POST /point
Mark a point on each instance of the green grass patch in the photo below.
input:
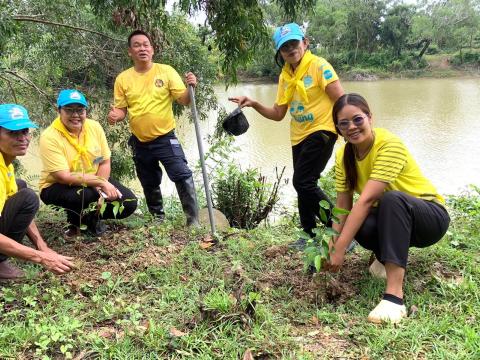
(149, 291)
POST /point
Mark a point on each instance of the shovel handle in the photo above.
(193, 106)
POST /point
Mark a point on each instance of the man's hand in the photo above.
(55, 262)
(191, 79)
(115, 115)
(109, 190)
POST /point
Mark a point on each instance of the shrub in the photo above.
(245, 197)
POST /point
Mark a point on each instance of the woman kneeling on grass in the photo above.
(76, 168)
(397, 208)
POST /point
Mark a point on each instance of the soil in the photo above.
(317, 288)
(117, 252)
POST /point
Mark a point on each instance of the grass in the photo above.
(145, 291)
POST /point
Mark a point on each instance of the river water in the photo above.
(436, 118)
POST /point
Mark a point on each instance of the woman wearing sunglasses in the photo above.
(76, 168)
(398, 207)
(308, 86)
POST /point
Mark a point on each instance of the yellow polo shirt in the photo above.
(57, 153)
(388, 161)
(8, 186)
(148, 98)
(317, 114)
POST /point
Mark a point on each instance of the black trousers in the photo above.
(18, 213)
(309, 159)
(75, 199)
(165, 149)
(399, 222)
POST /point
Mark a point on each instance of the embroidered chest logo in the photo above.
(159, 83)
(308, 81)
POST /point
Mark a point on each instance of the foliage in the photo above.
(317, 249)
(466, 58)
(245, 197)
(379, 35)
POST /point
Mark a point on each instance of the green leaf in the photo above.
(106, 275)
(339, 211)
(324, 204)
(116, 205)
(102, 208)
(323, 215)
(318, 263)
(330, 231)
(83, 227)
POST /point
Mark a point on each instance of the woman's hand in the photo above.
(242, 101)
(337, 257)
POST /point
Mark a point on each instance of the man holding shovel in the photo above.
(147, 91)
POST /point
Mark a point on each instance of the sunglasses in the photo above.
(71, 111)
(345, 124)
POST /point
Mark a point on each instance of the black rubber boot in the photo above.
(188, 198)
(154, 199)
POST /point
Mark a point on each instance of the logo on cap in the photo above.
(75, 95)
(16, 113)
(285, 30)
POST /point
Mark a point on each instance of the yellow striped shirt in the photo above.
(388, 161)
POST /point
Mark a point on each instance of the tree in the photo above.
(396, 28)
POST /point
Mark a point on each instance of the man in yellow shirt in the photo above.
(18, 205)
(76, 168)
(147, 91)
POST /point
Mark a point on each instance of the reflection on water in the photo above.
(436, 118)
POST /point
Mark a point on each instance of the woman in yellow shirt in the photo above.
(76, 167)
(398, 207)
(307, 88)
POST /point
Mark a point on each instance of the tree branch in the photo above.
(31, 83)
(9, 84)
(46, 22)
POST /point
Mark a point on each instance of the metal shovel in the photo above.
(202, 158)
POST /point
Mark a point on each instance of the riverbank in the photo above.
(159, 291)
(439, 67)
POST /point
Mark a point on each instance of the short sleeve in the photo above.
(280, 89)
(175, 83)
(52, 155)
(119, 98)
(102, 139)
(340, 177)
(326, 73)
(389, 162)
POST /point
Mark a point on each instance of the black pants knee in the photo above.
(165, 149)
(17, 214)
(76, 199)
(309, 159)
(399, 222)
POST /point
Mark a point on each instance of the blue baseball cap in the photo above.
(71, 96)
(15, 117)
(287, 32)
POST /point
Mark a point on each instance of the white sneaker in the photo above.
(387, 311)
(377, 269)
